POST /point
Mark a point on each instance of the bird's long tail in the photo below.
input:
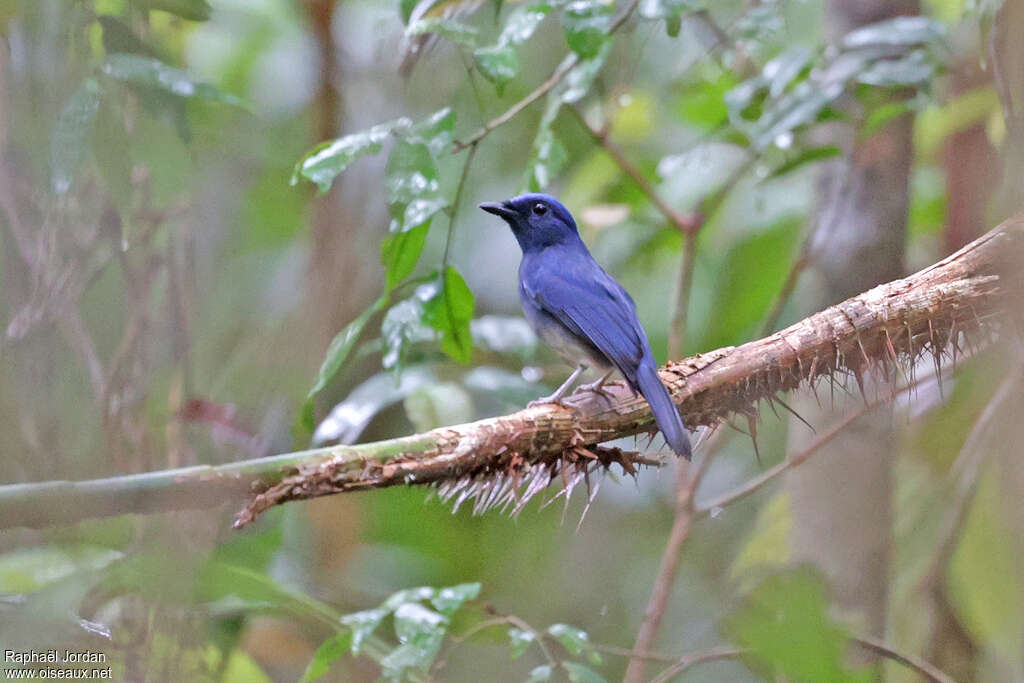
(665, 412)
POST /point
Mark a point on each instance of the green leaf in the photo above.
(703, 104)
(347, 420)
(548, 158)
(578, 673)
(449, 312)
(403, 324)
(498, 64)
(71, 134)
(520, 641)
(363, 624)
(785, 626)
(915, 68)
(420, 631)
(411, 174)
(400, 252)
(540, 674)
(32, 569)
(899, 31)
(338, 351)
(449, 600)
(331, 650)
(575, 640)
(577, 83)
(326, 161)
(449, 29)
(586, 24)
(522, 22)
(436, 131)
(152, 73)
(194, 10)
(669, 10)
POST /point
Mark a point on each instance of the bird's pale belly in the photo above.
(565, 343)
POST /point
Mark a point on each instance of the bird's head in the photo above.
(537, 220)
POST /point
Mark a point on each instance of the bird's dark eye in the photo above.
(540, 209)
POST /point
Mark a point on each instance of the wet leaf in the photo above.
(437, 405)
(916, 68)
(411, 175)
(32, 569)
(449, 312)
(420, 631)
(331, 650)
(338, 351)
(498, 64)
(586, 25)
(71, 134)
(326, 161)
(404, 324)
(540, 673)
(363, 624)
(449, 29)
(522, 22)
(347, 420)
(436, 131)
(449, 600)
(576, 641)
(669, 10)
(152, 73)
(520, 641)
(896, 32)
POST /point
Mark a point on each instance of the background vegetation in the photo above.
(197, 197)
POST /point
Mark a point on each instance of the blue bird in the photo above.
(581, 311)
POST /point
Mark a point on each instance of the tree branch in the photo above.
(971, 293)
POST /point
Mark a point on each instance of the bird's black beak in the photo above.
(499, 209)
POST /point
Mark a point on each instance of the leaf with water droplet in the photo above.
(71, 134)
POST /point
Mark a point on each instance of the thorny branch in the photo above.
(503, 461)
(969, 297)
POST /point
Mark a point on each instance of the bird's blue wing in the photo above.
(590, 304)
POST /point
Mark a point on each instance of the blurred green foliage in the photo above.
(147, 151)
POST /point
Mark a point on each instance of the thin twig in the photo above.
(453, 211)
(560, 72)
(929, 671)
(686, 488)
(713, 655)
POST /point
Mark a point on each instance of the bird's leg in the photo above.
(598, 386)
(560, 391)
